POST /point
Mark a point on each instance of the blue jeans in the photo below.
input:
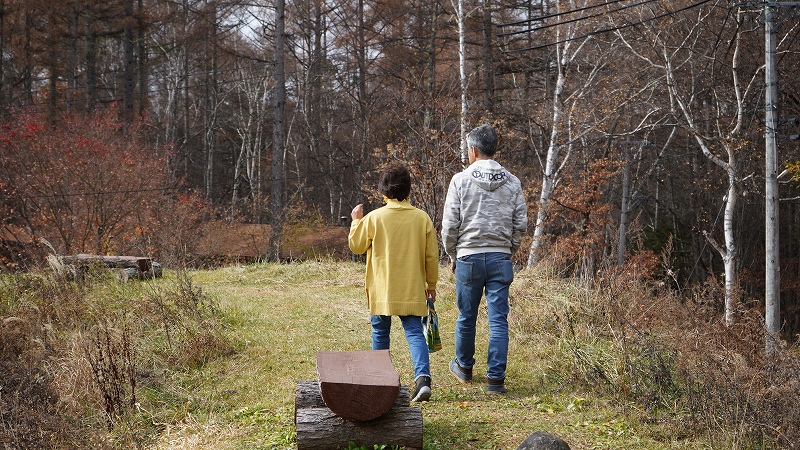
(492, 273)
(417, 345)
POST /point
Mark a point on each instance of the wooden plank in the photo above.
(358, 385)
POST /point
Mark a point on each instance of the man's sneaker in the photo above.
(497, 386)
(422, 393)
(463, 375)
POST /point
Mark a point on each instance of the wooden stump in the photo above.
(358, 385)
(319, 428)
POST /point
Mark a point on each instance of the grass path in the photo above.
(280, 316)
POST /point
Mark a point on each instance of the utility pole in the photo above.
(772, 294)
(772, 283)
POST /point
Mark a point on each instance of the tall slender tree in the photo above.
(279, 92)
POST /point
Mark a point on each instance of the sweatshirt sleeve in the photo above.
(519, 221)
(431, 257)
(451, 220)
(359, 239)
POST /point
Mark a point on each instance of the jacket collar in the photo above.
(394, 203)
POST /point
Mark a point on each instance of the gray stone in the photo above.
(539, 440)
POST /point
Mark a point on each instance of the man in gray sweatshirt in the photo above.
(485, 215)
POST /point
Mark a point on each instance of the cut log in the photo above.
(319, 428)
(130, 267)
(118, 262)
(358, 385)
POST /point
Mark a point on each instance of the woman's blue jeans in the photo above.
(417, 345)
(492, 273)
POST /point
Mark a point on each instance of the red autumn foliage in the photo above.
(89, 184)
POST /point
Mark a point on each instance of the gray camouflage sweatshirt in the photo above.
(485, 211)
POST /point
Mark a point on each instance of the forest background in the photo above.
(637, 128)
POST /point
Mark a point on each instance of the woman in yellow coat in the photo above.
(402, 268)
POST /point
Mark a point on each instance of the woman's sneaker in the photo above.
(422, 392)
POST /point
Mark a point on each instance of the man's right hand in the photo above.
(453, 266)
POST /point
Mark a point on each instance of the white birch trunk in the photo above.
(462, 48)
(549, 177)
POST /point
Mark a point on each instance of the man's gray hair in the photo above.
(484, 139)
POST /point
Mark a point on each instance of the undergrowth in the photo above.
(669, 360)
(97, 354)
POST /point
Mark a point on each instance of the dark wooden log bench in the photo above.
(358, 398)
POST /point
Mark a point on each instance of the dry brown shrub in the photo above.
(730, 383)
(681, 359)
(71, 356)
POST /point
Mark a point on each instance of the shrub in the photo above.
(90, 184)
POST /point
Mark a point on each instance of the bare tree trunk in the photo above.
(91, 62)
(488, 60)
(27, 70)
(2, 51)
(430, 83)
(128, 82)
(551, 169)
(211, 109)
(186, 101)
(364, 129)
(72, 62)
(772, 292)
(624, 208)
(53, 74)
(142, 59)
(276, 197)
(727, 141)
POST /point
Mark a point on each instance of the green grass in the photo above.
(279, 316)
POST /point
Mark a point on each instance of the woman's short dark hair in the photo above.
(395, 181)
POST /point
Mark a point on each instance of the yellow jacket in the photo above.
(402, 258)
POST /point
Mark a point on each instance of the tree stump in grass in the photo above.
(358, 385)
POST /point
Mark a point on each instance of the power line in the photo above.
(607, 30)
(577, 19)
(563, 13)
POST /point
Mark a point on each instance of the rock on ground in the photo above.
(539, 440)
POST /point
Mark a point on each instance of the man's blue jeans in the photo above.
(417, 345)
(492, 273)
